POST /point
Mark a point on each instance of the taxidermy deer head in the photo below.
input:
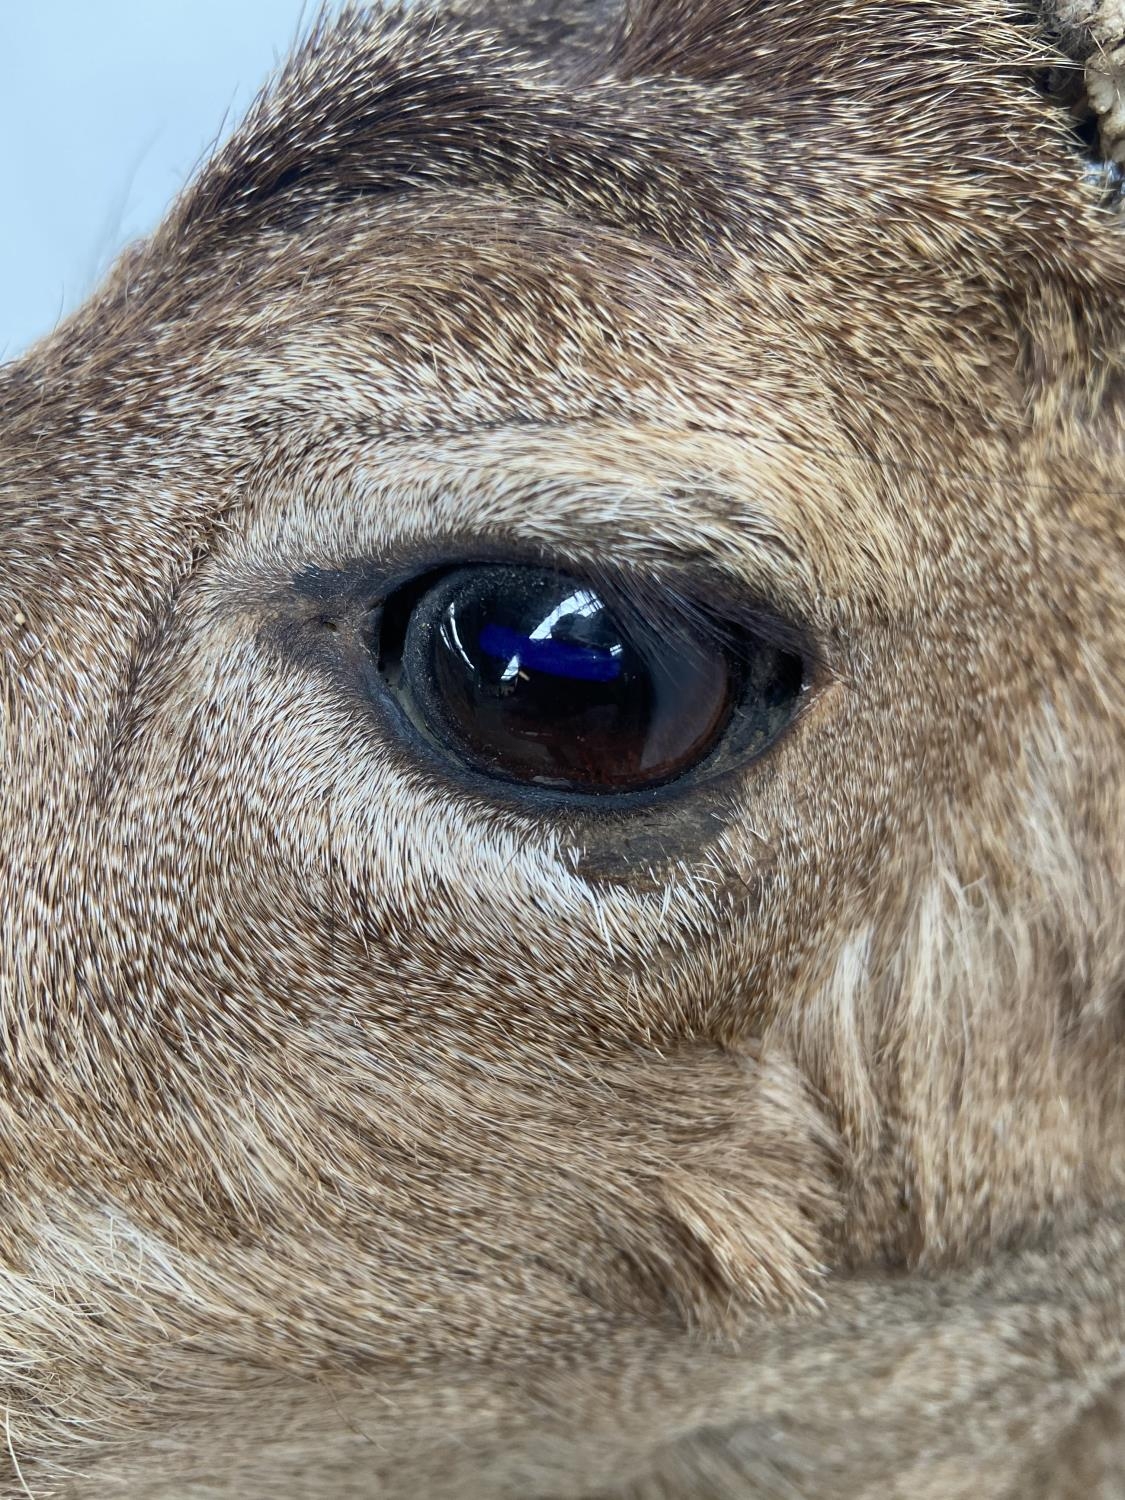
(563, 641)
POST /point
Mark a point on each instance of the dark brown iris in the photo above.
(534, 678)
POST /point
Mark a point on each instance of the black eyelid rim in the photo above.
(412, 577)
(729, 602)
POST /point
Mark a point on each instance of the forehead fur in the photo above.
(828, 159)
(697, 123)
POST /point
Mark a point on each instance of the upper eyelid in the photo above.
(704, 588)
(411, 499)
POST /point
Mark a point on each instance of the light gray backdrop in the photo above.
(106, 106)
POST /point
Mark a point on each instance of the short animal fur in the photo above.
(362, 1136)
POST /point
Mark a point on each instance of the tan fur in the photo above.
(365, 1136)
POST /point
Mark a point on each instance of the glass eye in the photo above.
(535, 676)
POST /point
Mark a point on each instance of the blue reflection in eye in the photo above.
(555, 658)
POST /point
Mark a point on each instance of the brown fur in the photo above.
(364, 1136)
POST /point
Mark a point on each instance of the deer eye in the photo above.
(537, 677)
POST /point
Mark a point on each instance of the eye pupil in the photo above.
(535, 677)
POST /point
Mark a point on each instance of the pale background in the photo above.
(106, 107)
